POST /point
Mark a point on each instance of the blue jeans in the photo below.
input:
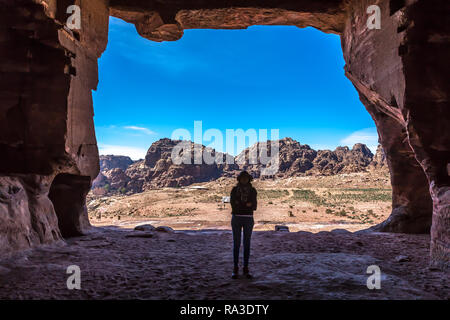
(238, 224)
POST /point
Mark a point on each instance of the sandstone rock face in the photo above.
(46, 126)
(27, 215)
(401, 84)
(137, 172)
(166, 22)
(379, 159)
(47, 143)
(426, 105)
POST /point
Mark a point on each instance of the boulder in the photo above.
(164, 229)
(145, 227)
(281, 228)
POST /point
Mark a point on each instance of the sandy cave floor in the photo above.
(197, 264)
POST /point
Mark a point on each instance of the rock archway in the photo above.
(48, 71)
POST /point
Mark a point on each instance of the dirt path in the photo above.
(197, 265)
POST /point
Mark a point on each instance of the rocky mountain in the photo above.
(379, 159)
(161, 169)
(295, 159)
(112, 162)
(162, 172)
(343, 160)
(112, 173)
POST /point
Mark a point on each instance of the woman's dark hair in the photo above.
(244, 173)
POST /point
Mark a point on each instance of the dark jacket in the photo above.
(240, 195)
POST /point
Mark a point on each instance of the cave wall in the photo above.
(399, 72)
(48, 73)
(425, 58)
(374, 65)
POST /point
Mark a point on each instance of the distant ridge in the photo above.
(121, 174)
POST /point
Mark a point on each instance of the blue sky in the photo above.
(264, 77)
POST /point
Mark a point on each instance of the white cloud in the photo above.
(368, 136)
(316, 146)
(140, 129)
(132, 152)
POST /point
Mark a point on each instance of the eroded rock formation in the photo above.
(121, 174)
(297, 159)
(379, 159)
(388, 68)
(48, 72)
(108, 162)
(47, 138)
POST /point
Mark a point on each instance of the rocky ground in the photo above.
(324, 256)
(120, 263)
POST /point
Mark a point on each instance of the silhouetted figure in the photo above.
(243, 203)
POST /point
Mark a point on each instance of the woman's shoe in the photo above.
(235, 273)
(247, 273)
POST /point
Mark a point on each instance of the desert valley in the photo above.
(313, 190)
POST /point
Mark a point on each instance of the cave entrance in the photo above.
(223, 77)
(68, 195)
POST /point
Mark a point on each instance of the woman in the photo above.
(243, 203)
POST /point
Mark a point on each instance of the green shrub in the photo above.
(308, 196)
(272, 194)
